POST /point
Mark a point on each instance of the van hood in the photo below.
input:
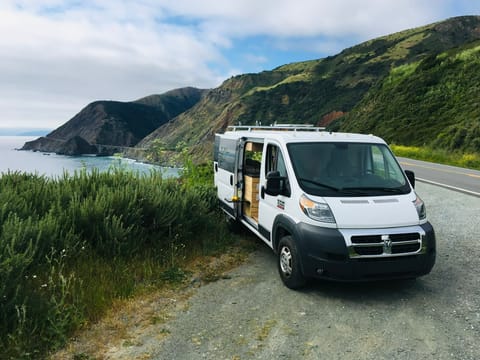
(374, 212)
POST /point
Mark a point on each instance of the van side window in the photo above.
(281, 165)
(275, 161)
(226, 154)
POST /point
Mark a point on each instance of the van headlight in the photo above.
(420, 206)
(316, 211)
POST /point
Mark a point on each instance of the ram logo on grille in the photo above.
(387, 244)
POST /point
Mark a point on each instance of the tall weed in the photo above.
(71, 245)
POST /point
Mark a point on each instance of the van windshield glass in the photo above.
(347, 169)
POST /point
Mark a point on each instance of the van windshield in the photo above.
(347, 169)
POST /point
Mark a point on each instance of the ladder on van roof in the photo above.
(276, 127)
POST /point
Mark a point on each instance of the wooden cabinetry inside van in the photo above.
(250, 204)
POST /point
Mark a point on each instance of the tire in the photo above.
(289, 265)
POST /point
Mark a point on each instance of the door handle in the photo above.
(262, 192)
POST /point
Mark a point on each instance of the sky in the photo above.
(56, 56)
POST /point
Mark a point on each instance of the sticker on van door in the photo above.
(281, 204)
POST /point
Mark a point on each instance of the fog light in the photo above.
(320, 271)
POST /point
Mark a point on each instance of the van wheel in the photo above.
(289, 264)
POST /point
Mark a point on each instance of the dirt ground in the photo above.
(249, 314)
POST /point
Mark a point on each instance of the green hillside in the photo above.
(434, 102)
(375, 87)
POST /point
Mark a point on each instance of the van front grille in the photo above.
(369, 250)
(366, 239)
(387, 245)
(407, 248)
(404, 237)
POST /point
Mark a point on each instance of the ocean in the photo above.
(53, 165)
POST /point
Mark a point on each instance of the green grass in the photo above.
(71, 246)
(471, 161)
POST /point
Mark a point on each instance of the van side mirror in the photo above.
(275, 183)
(411, 177)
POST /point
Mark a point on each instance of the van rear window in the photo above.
(225, 154)
(216, 147)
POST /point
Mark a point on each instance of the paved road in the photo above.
(454, 178)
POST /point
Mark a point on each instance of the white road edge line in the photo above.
(449, 187)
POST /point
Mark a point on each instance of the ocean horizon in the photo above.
(53, 165)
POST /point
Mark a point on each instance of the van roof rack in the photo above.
(283, 127)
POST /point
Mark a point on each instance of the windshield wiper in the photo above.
(364, 190)
(355, 190)
(320, 184)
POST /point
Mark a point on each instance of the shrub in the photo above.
(441, 156)
(70, 245)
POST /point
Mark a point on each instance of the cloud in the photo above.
(82, 38)
(73, 56)
(287, 18)
(58, 55)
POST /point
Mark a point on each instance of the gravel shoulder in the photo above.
(250, 315)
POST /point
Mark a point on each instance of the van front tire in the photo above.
(289, 264)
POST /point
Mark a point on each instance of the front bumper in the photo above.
(326, 253)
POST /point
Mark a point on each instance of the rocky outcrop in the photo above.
(77, 146)
(44, 144)
(330, 117)
(74, 146)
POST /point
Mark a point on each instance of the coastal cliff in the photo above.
(107, 127)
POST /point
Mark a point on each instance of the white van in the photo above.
(330, 205)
